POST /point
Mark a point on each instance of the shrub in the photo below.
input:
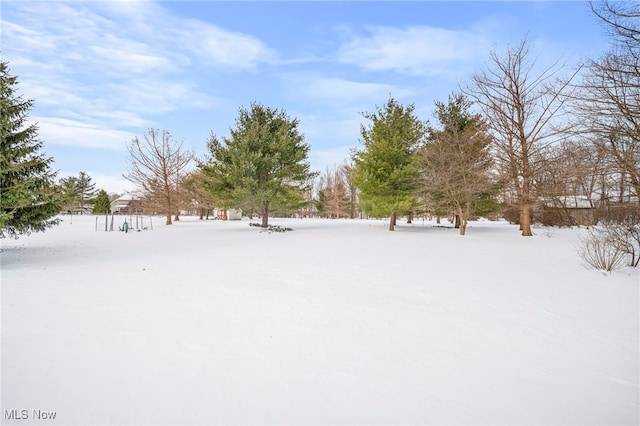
(270, 228)
(598, 251)
(625, 236)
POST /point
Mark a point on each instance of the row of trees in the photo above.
(79, 195)
(539, 139)
(517, 134)
(261, 167)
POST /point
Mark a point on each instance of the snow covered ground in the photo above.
(337, 322)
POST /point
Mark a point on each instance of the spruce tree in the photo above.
(70, 194)
(87, 191)
(387, 169)
(102, 205)
(28, 198)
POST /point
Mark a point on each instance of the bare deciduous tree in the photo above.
(607, 106)
(346, 171)
(333, 194)
(523, 105)
(621, 21)
(156, 164)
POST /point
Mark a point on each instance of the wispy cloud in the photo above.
(418, 50)
(337, 88)
(62, 131)
(341, 92)
(115, 65)
(217, 47)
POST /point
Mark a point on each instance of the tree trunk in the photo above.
(456, 219)
(168, 219)
(461, 219)
(463, 226)
(201, 214)
(410, 219)
(177, 216)
(392, 222)
(525, 221)
(265, 214)
(438, 220)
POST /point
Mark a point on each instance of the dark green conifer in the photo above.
(28, 198)
(102, 204)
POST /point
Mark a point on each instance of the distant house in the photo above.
(583, 211)
(126, 204)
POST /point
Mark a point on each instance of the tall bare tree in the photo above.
(621, 20)
(346, 171)
(156, 164)
(523, 105)
(333, 194)
(608, 103)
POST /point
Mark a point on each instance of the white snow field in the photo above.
(337, 322)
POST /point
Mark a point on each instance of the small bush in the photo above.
(626, 237)
(599, 252)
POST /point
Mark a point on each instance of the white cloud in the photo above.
(127, 61)
(101, 70)
(218, 47)
(419, 50)
(62, 131)
(341, 92)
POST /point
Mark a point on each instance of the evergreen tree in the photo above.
(29, 200)
(262, 165)
(386, 170)
(70, 194)
(102, 205)
(457, 160)
(87, 190)
(195, 194)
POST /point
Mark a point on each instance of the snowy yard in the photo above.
(337, 322)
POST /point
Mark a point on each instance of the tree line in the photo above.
(520, 137)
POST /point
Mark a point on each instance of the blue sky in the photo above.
(101, 73)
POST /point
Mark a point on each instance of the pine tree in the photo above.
(457, 160)
(386, 170)
(87, 190)
(29, 200)
(70, 194)
(102, 205)
(262, 165)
